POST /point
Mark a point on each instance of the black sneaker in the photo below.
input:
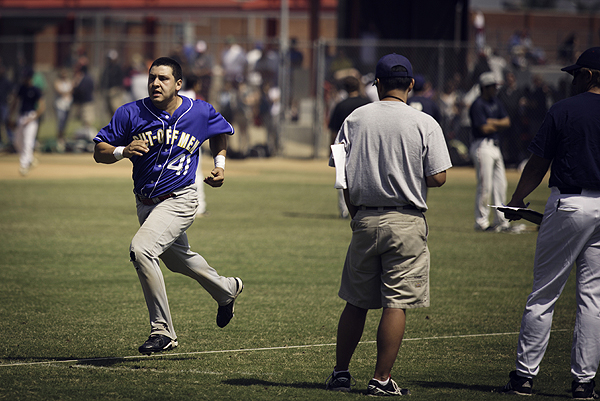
(376, 389)
(157, 343)
(584, 391)
(517, 385)
(225, 313)
(339, 382)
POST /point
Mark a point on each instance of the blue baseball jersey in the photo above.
(173, 141)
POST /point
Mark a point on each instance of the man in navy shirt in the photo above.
(355, 99)
(569, 140)
(421, 101)
(161, 135)
(488, 119)
(29, 105)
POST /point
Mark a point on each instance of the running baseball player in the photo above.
(161, 135)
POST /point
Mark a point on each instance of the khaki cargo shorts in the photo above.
(387, 264)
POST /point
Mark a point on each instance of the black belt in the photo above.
(485, 138)
(570, 191)
(382, 208)
(154, 201)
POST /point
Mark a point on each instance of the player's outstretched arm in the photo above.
(105, 153)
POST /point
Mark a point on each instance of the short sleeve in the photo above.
(217, 124)
(116, 132)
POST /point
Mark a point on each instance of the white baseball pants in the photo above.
(24, 134)
(491, 182)
(163, 235)
(569, 234)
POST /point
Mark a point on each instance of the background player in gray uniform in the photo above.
(393, 153)
(161, 135)
(569, 139)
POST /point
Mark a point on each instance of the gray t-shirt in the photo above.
(390, 149)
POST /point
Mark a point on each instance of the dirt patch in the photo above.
(82, 165)
(73, 166)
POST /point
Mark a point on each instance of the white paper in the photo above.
(523, 212)
(338, 152)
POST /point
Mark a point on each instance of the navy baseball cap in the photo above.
(385, 67)
(419, 82)
(588, 59)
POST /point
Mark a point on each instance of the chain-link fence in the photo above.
(450, 73)
(281, 105)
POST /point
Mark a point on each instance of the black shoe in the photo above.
(225, 313)
(584, 391)
(375, 388)
(339, 382)
(157, 343)
(517, 385)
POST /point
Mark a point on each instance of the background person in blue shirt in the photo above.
(28, 105)
(355, 99)
(421, 100)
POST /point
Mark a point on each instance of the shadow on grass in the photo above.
(426, 385)
(456, 386)
(318, 216)
(542, 394)
(110, 361)
(106, 361)
(265, 383)
(478, 388)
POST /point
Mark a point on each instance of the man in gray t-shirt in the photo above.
(393, 153)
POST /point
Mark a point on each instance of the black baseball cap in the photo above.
(588, 59)
(385, 67)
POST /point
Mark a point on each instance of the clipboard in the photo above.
(523, 212)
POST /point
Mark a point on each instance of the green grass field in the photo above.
(72, 311)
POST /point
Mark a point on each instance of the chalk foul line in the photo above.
(118, 358)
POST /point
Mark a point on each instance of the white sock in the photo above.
(382, 383)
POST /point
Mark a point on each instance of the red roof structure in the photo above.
(234, 5)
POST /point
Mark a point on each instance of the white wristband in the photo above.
(118, 152)
(220, 161)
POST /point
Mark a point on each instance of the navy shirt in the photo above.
(343, 110)
(174, 141)
(481, 110)
(29, 96)
(84, 91)
(570, 136)
(426, 105)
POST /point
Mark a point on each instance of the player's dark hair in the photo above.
(595, 81)
(351, 84)
(401, 83)
(168, 61)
